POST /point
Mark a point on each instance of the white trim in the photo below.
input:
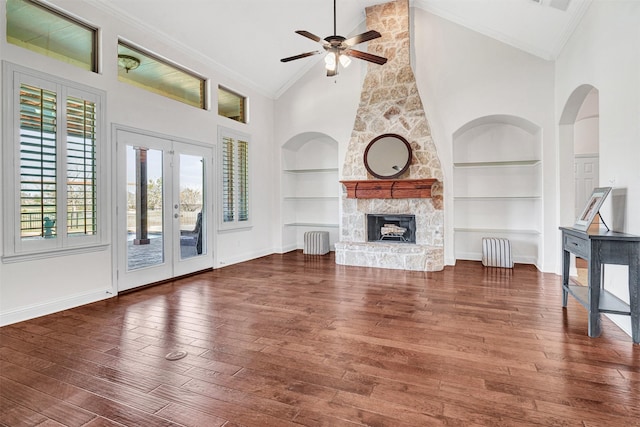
(246, 257)
(37, 310)
(54, 253)
(121, 14)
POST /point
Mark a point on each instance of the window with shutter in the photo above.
(55, 128)
(235, 179)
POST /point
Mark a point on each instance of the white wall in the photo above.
(33, 288)
(604, 52)
(463, 76)
(317, 103)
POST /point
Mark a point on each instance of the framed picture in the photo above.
(591, 208)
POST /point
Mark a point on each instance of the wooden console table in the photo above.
(598, 248)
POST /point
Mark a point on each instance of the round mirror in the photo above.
(387, 156)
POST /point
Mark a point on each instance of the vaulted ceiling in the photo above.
(246, 38)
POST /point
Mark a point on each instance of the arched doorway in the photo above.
(579, 154)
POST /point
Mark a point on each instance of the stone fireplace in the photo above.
(390, 104)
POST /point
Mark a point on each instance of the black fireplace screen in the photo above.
(391, 228)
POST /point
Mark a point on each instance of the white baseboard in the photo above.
(287, 248)
(477, 256)
(37, 310)
(245, 257)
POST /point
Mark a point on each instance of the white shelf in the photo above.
(321, 170)
(497, 198)
(494, 164)
(497, 231)
(312, 198)
(310, 224)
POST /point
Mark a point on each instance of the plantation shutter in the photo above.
(228, 194)
(38, 188)
(81, 167)
(235, 179)
(243, 181)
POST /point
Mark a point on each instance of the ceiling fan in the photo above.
(339, 49)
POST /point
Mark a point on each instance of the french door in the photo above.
(164, 208)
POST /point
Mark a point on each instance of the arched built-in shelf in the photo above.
(497, 186)
(310, 188)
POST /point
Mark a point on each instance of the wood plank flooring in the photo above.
(290, 340)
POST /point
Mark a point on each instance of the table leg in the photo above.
(566, 258)
(634, 297)
(595, 270)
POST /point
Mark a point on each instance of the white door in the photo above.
(586, 179)
(164, 208)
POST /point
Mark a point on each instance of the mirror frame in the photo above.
(402, 170)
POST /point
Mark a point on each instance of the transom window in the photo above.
(40, 28)
(232, 105)
(147, 71)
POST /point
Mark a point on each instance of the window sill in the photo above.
(234, 228)
(32, 256)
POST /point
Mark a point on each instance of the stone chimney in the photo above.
(390, 103)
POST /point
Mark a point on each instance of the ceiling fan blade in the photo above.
(366, 56)
(308, 35)
(302, 55)
(361, 38)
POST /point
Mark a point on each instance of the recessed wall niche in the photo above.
(497, 186)
(310, 188)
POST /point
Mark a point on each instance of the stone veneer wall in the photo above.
(390, 103)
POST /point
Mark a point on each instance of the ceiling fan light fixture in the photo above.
(330, 62)
(330, 59)
(345, 61)
(339, 49)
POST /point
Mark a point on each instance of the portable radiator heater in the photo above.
(316, 242)
(496, 252)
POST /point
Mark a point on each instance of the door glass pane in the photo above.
(191, 204)
(145, 228)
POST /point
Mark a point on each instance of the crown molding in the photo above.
(108, 8)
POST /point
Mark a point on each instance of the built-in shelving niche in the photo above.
(497, 187)
(310, 188)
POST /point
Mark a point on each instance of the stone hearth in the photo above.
(390, 103)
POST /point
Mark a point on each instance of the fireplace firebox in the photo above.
(391, 228)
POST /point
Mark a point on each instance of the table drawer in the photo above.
(576, 245)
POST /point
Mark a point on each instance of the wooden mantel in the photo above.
(389, 188)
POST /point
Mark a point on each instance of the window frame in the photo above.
(94, 66)
(16, 248)
(245, 104)
(236, 224)
(145, 56)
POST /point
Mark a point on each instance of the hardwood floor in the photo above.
(289, 340)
